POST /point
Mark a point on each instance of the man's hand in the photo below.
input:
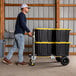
(30, 34)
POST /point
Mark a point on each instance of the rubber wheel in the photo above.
(58, 59)
(31, 63)
(64, 61)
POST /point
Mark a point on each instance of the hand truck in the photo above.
(64, 60)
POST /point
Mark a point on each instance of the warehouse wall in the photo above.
(69, 12)
(42, 12)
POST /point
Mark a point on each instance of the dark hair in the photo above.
(21, 8)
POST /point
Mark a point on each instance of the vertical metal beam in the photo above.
(1, 19)
(57, 13)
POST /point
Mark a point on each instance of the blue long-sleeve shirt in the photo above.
(20, 26)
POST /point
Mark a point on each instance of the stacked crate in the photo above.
(52, 41)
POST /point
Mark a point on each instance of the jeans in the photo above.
(18, 43)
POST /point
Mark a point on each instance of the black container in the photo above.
(60, 35)
(49, 35)
(58, 38)
(52, 35)
(43, 35)
(49, 48)
(43, 49)
(60, 49)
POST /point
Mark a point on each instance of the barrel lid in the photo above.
(51, 29)
(53, 42)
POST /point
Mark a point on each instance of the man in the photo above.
(20, 29)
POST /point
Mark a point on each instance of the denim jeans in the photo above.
(18, 43)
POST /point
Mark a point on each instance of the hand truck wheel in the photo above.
(58, 59)
(64, 61)
(31, 63)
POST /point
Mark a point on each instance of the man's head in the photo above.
(25, 8)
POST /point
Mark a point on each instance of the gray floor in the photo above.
(43, 67)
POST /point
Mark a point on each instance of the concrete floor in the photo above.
(43, 67)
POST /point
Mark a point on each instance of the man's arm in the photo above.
(23, 23)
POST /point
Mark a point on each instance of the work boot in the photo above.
(6, 61)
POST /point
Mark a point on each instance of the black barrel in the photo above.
(61, 49)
